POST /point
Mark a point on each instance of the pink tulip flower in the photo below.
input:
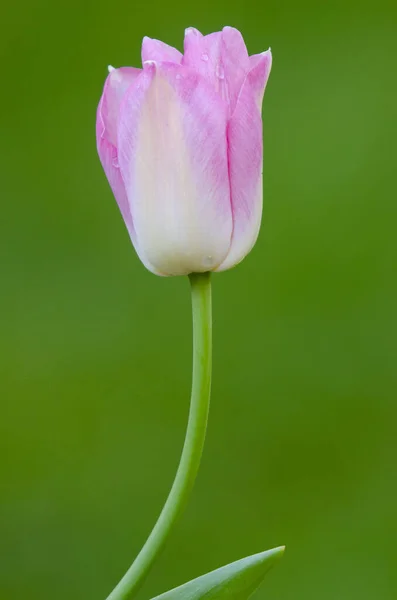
(180, 141)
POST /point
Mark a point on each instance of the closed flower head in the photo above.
(180, 141)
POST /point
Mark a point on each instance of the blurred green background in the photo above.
(95, 351)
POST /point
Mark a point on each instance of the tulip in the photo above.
(180, 141)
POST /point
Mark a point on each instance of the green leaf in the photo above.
(236, 581)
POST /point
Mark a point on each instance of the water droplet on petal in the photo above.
(204, 57)
(178, 76)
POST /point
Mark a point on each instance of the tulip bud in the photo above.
(180, 141)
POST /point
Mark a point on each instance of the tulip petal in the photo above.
(245, 171)
(173, 159)
(192, 31)
(159, 51)
(260, 67)
(221, 58)
(108, 157)
(235, 62)
(204, 55)
(116, 84)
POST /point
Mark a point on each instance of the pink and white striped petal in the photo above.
(173, 159)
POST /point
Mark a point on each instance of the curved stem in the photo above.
(194, 440)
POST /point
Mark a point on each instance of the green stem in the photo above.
(194, 440)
